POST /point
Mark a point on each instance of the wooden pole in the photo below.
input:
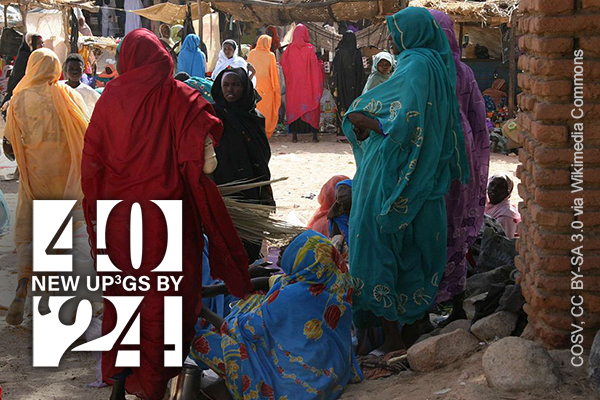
(512, 69)
(6, 15)
(66, 14)
(461, 35)
(23, 8)
(200, 19)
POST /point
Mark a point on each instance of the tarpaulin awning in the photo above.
(170, 13)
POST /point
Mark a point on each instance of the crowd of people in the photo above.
(383, 249)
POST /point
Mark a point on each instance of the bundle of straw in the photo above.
(255, 222)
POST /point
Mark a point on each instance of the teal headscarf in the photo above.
(377, 78)
(417, 102)
(398, 219)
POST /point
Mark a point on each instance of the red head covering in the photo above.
(146, 142)
(326, 199)
(303, 78)
(275, 43)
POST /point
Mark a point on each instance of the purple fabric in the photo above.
(465, 203)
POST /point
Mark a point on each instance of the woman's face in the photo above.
(497, 190)
(228, 50)
(384, 67)
(165, 31)
(232, 87)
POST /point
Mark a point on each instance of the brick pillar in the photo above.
(552, 31)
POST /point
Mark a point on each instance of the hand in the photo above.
(213, 291)
(261, 270)
(360, 120)
(361, 134)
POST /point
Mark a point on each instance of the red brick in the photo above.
(560, 24)
(546, 300)
(591, 90)
(544, 217)
(553, 283)
(591, 4)
(526, 101)
(590, 44)
(551, 262)
(551, 177)
(546, 133)
(553, 198)
(556, 320)
(547, 88)
(548, 240)
(548, 45)
(524, 120)
(548, 7)
(590, 218)
(546, 111)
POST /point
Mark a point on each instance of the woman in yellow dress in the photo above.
(267, 82)
(46, 122)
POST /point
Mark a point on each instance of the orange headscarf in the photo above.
(267, 82)
(326, 199)
(45, 123)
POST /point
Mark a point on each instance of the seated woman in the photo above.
(243, 153)
(326, 200)
(499, 207)
(260, 352)
(339, 216)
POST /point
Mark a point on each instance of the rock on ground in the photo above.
(594, 365)
(463, 324)
(516, 364)
(469, 304)
(439, 351)
(481, 283)
(496, 326)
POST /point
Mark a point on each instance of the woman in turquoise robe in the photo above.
(408, 146)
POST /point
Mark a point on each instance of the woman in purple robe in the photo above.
(465, 203)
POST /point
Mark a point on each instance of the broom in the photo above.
(255, 222)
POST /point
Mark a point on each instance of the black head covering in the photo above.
(243, 152)
(348, 72)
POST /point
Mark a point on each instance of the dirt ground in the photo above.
(308, 166)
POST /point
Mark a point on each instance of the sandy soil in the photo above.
(308, 166)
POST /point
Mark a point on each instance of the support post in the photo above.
(461, 35)
(512, 69)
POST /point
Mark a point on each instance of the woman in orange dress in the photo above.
(267, 82)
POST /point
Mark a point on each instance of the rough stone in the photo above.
(439, 351)
(594, 365)
(463, 324)
(469, 304)
(516, 364)
(480, 283)
(496, 326)
(512, 300)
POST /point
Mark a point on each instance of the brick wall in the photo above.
(551, 31)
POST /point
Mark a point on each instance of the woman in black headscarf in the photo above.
(31, 42)
(243, 152)
(348, 74)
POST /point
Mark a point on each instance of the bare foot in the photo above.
(315, 138)
(294, 137)
(17, 307)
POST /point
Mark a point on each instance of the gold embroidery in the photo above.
(417, 137)
(412, 114)
(420, 297)
(401, 205)
(435, 279)
(394, 107)
(374, 107)
(401, 33)
(401, 300)
(382, 293)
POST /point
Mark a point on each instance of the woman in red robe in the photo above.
(146, 142)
